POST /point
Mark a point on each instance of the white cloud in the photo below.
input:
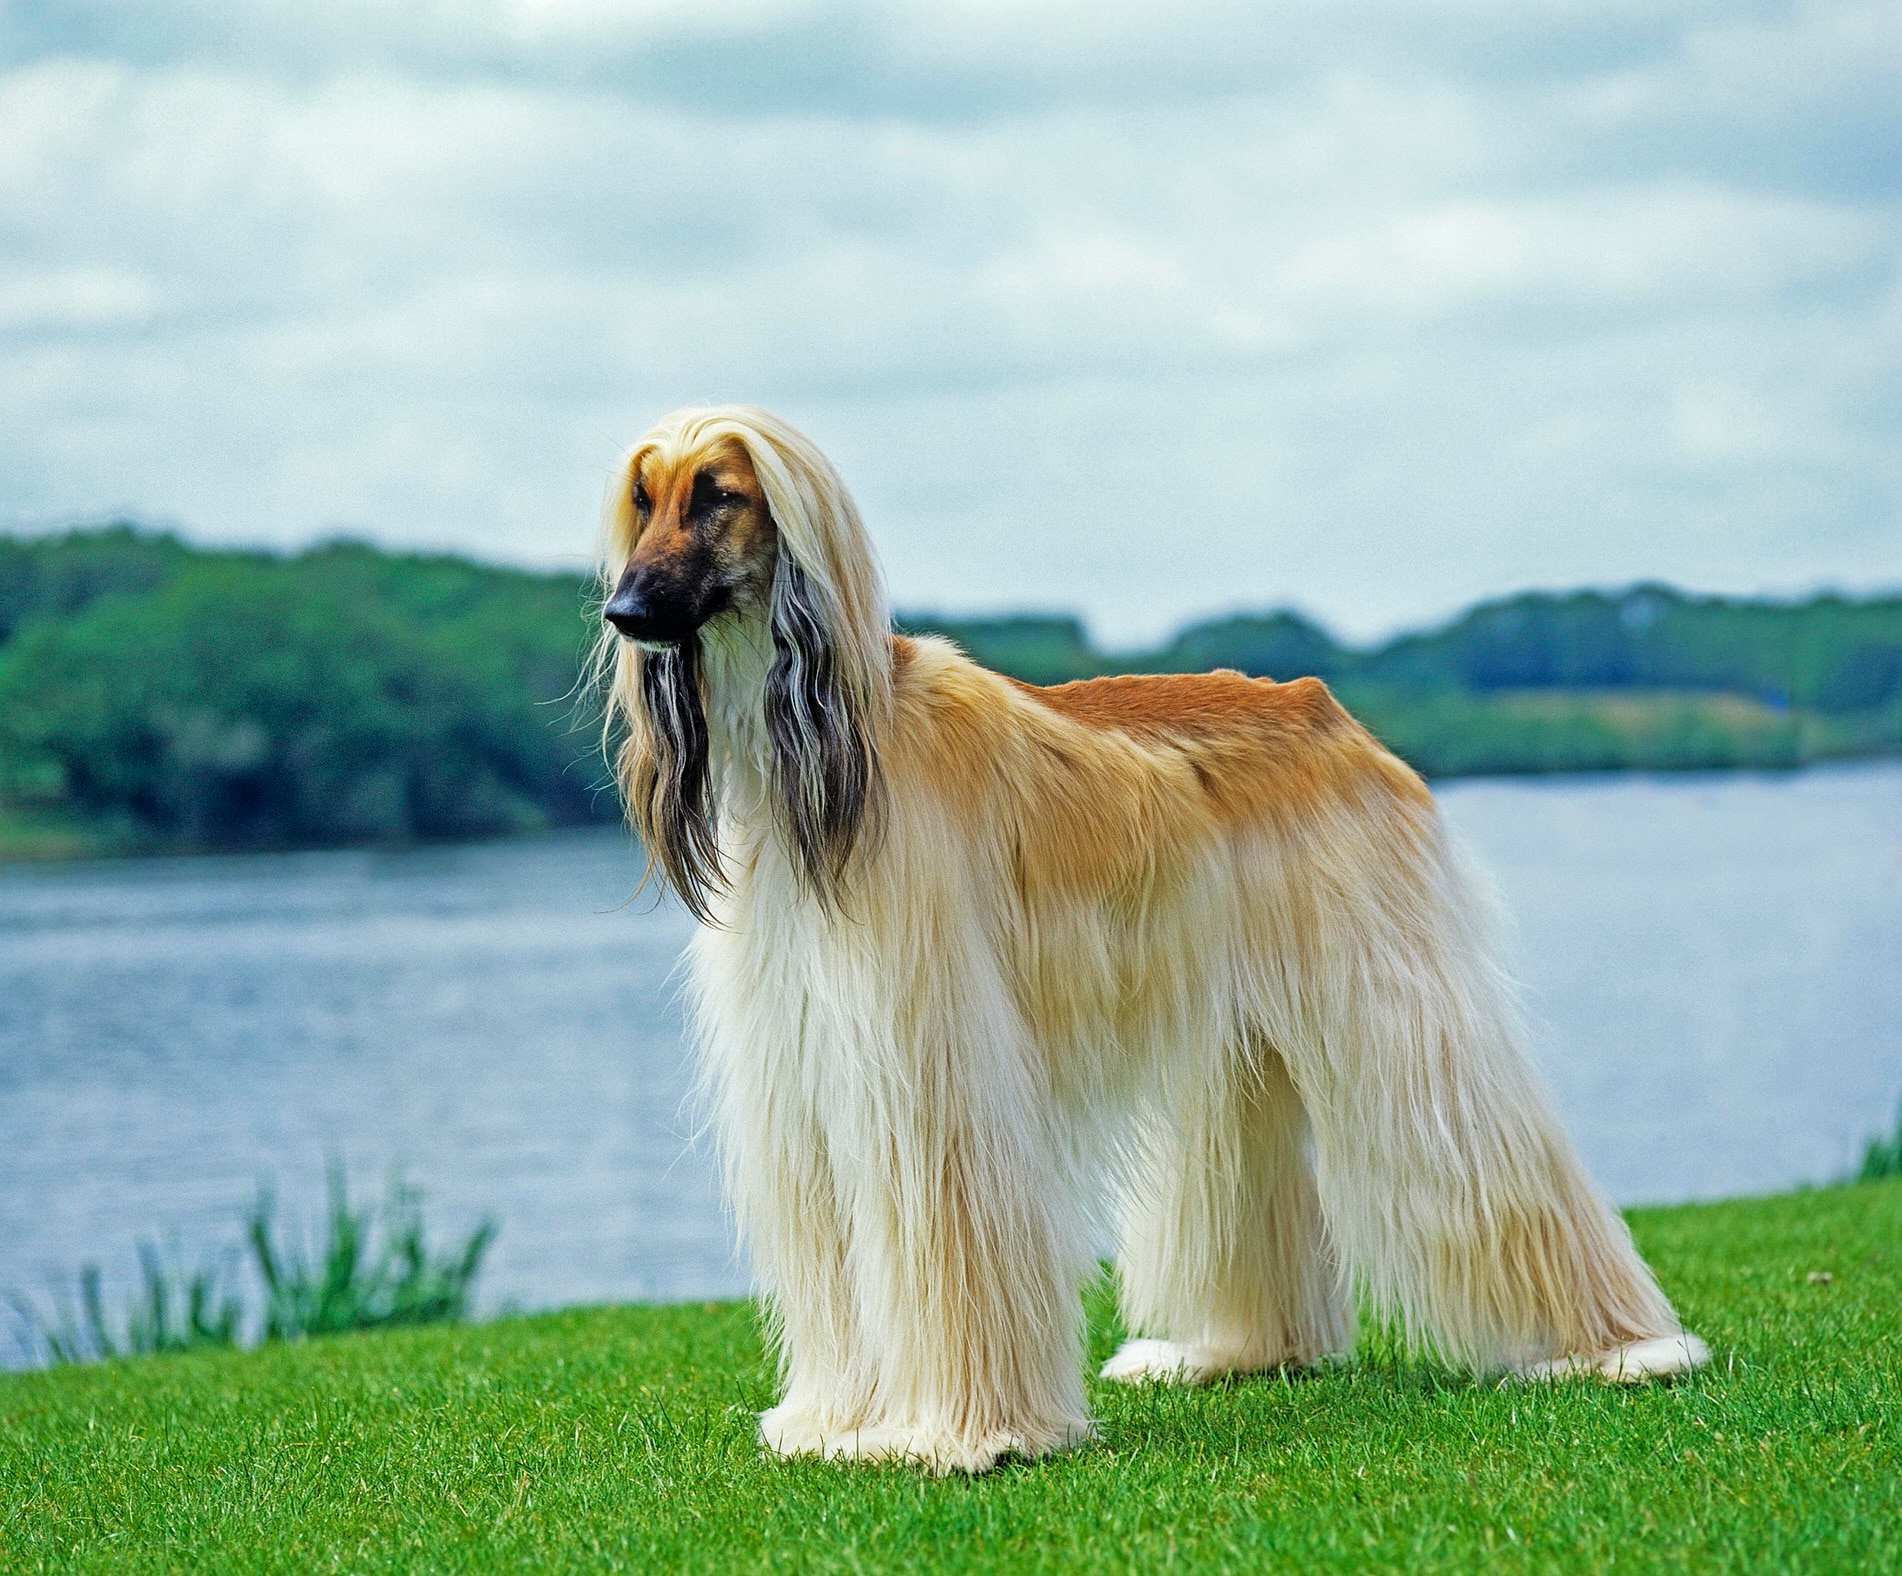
(1367, 308)
(87, 296)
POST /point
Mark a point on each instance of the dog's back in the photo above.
(1091, 776)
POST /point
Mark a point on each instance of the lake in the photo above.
(1714, 966)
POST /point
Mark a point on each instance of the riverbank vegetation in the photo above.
(368, 1268)
(154, 695)
(1882, 1157)
(622, 1439)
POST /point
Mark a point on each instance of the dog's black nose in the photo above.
(629, 611)
(653, 605)
(663, 603)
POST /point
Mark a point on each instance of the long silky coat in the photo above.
(988, 969)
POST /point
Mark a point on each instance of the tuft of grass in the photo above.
(1883, 1157)
(371, 1268)
(174, 1310)
(622, 1439)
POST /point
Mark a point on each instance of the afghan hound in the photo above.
(985, 970)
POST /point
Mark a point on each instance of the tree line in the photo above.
(158, 695)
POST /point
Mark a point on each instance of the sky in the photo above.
(1152, 312)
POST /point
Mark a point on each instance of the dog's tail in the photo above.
(1451, 1191)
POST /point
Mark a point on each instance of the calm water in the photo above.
(1715, 966)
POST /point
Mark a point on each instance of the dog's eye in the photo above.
(642, 502)
(709, 497)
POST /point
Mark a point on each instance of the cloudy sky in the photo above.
(1368, 307)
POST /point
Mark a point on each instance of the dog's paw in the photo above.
(1140, 1360)
(936, 1452)
(1635, 1362)
(942, 1452)
(795, 1431)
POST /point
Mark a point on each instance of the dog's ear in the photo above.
(824, 765)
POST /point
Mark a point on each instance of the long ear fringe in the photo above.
(825, 774)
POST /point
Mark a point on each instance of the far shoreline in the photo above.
(30, 844)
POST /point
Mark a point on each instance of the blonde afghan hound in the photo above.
(985, 969)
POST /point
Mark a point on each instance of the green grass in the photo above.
(622, 1438)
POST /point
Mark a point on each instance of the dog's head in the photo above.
(719, 517)
(700, 541)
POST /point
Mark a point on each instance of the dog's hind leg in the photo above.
(1222, 1259)
(1446, 1178)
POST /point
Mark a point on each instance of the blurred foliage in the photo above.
(370, 1269)
(156, 695)
(243, 699)
(1827, 655)
(174, 1310)
(373, 1269)
(1883, 1157)
(52, 576)
(1264, 645)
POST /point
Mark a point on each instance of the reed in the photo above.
(372, 1268)
(1883, 1157)
(369, 1267)
(174, 1310)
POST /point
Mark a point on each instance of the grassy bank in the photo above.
(622, 1438)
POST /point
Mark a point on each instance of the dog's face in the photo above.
(703, 544)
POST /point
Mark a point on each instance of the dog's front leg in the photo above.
(784, 1187)
(966, 1252)
(799, 1241)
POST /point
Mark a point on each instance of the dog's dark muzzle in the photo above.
(658, 608)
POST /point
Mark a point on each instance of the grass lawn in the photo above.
(622, 1438)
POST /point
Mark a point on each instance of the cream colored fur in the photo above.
(1082, 980)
